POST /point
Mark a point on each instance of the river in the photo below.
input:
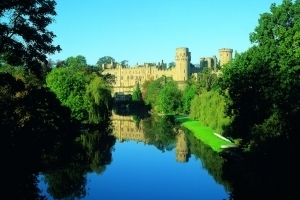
(151, 160)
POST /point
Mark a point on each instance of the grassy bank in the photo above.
(205, 134)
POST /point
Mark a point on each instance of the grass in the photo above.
(205, 134)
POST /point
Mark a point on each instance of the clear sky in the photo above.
(149, 31)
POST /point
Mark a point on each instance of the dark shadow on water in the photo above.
(38, 136)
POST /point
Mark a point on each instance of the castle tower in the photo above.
(225, 56)
(182, 60)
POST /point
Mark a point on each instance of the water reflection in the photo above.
(92, 152)
(182, 151)
(125, 128)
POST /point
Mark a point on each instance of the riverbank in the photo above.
(205, 134)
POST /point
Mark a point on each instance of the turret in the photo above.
(182, 60)
(225, 56)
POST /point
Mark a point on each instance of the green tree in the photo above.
(70, 87)
(207, 79)
(24, 38)
(262, 83)
(105, 60)
(187, 96)
(168, 100)
(151, 90)
(137, 93)
(209, 108)
(78, 61)
(124, 63)
(98, 95)
(171, 65)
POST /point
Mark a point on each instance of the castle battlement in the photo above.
(126, 78)
(225, 55)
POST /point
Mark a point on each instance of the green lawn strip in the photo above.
(205, 134)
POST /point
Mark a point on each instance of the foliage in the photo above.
(209, 108)
(22, 109)
(263, 82)
(105, 60)
(171, 65)
(163, 95)
(25, 40)
(98, 95)
(151, 90)
(137, 93)
(187, 96)
(30, 80)
(124, 63)
(70, 87)
(88, 95)
(168, 100)
(207, 80)
(78, 61)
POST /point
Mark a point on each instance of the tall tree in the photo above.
(137, 93)
(24, 38)
(263, 82)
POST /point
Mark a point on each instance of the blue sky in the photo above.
(149, 31)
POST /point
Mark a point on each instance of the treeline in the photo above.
(58, 122)
(201, 99)
(54, 116)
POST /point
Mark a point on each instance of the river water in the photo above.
(147, 165)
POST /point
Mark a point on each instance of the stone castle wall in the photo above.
(127, 78)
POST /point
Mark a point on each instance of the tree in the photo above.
(188, 94)
(262, 84)
(171, 65)
(124, 63)
(151, 90)
(105, 60)
(168, 100)
(69, 86)
(207, 79)
(137, 93)
(78, 61)
(24, 38)
(98, 94)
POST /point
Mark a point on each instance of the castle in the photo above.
(126, 78)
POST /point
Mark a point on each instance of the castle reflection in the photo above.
(126, 129)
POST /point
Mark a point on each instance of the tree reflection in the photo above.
(98, 142)
(160, 132)
(38, 136)
(91, 153)
(69, 180)
(210, 160)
